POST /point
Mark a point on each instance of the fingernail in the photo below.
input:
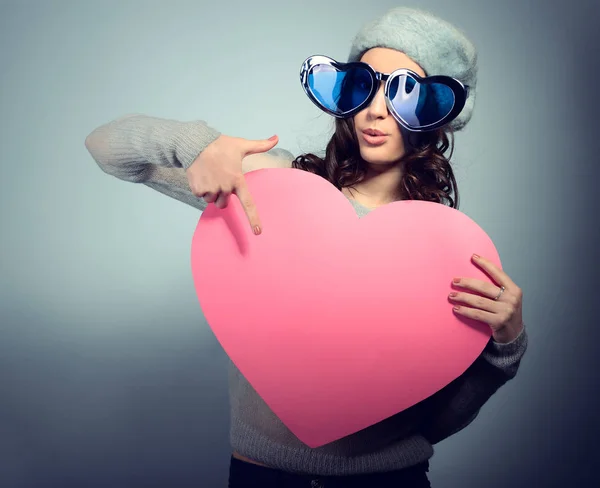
(256, 230)
(456, 309)
(452, 294)
(272, 138)
(475, 256)
(456, 280)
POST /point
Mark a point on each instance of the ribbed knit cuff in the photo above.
(507, 356)
(191, 139)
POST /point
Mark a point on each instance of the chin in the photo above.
(379, 156)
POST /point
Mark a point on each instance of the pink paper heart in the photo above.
(338, 322)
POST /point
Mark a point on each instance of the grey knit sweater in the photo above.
(156, 152)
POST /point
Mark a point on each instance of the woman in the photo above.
(389, 144)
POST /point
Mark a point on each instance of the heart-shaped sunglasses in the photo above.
(418, 104)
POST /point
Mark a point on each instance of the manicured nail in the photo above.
(475, 256)
(272, 138)
(456, 309)
(256, 230)
(456, 280)
(453, 294)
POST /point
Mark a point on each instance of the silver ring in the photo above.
(501, 292)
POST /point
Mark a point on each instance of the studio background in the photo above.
(109, 375)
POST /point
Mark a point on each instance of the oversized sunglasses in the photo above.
(418, 104)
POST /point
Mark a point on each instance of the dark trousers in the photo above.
(247, 475)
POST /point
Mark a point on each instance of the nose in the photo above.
(378, 107)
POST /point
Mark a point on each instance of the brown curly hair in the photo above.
(426, 171)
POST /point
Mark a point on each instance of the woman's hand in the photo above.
(500, 305)
(217, 173)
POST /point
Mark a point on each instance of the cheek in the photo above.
(358, 120)
(397, 143)
(395, 149)
(397, 146)
(400, 141)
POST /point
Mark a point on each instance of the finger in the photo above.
(485, 288)
(475, 301)
(494, 271)
(243, 194)
(491, 319)
(210, 197)
(222, 200)
(264, 145)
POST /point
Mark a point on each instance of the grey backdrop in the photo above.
(109, 376)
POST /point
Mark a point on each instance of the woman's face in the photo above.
(376, 115)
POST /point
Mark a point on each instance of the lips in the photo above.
(374, 132)
(374, 137)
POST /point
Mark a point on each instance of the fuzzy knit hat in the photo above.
(436, 45)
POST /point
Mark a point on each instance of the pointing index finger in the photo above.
(245, 198)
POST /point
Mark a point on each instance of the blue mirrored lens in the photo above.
(339, 91)
(420, 105)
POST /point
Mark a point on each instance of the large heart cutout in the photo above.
(338, 322)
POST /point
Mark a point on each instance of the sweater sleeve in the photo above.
(455, 406)
(156, 152)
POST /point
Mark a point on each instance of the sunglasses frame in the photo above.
(460, 91)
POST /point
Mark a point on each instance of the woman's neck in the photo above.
(380, 186)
